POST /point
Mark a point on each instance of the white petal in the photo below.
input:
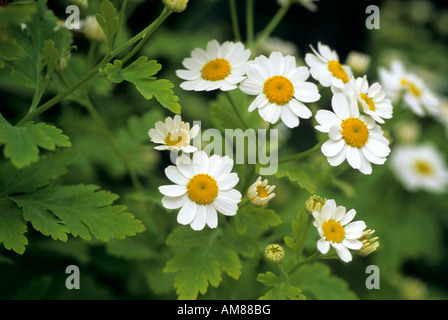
(340, 106)
(332, 148)
(188, 74)
(352, 244)
(173, 173)
(306, 92)
(212, 216)
(187, 213)
(173, 190)
(225, 205)
(348, 217)
(353, 157)
(342, 252)
(192, 64)
(288, 117)
(300, 109)
(174, 202)
(228, 181)
(251, 86)
(323, 246)
(200, 219)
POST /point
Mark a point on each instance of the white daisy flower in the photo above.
(399, 82)
(281, 89)
(202, 186)
(336, 229)
(372, 99)
(218, 67)
(173, 134)
(353, 137)
(259, 193)
(325, 67)
(420, 167)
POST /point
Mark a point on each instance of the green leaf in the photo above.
(261, 218)
(36, 175)
(300, 229)
(317, 281)
(51, 56)
(80, 210)
(16, 14)
(108, 21)
(27, 68)
(295, 175)
(161, 89)
(140, 73)
(12, 227)
(280, 290)
(202, 263)
(22, 143)
(137, 70)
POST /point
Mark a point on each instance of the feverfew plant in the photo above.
(133, 150)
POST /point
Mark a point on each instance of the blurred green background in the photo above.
(412, 227)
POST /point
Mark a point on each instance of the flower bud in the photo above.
(176, 5)
(274, 253)
(92, 29)
(314, 203)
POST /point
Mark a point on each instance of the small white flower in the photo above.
(218, 67)
(336, 229)
(325, 67)
(202, 187)
(420, 167)
(358, 62)
(176, 5)
(372, 99)
(92, 29)
(399, 82)
(353, 137)
(259, 193)
(173, 134)
(281, 88)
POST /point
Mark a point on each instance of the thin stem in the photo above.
(145, 34)
(234, 18)
(303, 154)
(310, 259)
(273, 23)
(250, 22)
(93, 72)
(237, 112)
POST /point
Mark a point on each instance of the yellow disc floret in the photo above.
(333, 231)
(355, 132)
(369, 101)
(202, 189)
(216, 70)
(423, 167)
(278, 90)
(338, 71)
(176, 139)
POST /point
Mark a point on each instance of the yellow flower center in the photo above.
(278, 90)
(177, 139)
(412, 87)
(355, 132)
(423, 167)
(216, 70)
(261, 191)
(369, 101)
(333, 231)
(202, 189)
(338, 71)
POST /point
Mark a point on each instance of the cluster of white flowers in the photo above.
(358, 110)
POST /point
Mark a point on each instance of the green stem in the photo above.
(234, 18)
(273, 23)
(315, 256)
(237, 112)
(55, 100)
(146, 33)
(250, 22)
(303, 154)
